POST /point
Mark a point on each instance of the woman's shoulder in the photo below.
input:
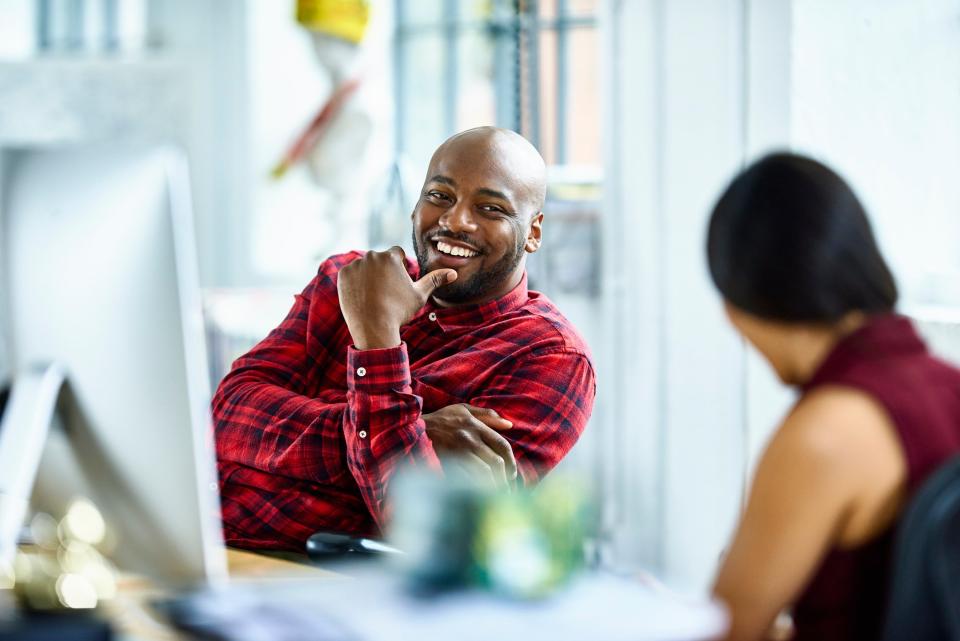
(836, 415)
(846, 434)
(835, 424)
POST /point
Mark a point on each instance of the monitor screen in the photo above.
(100, 277)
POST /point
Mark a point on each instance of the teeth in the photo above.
(454, 250)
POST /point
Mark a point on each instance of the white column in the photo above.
(630, 385)
(674, 389)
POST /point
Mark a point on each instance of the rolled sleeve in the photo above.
(378, 370)
(384, 428)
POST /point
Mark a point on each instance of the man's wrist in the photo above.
(376, 338)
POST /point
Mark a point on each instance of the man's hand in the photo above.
(377, 296)
(469, 433)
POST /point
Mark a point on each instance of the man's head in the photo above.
(479, 213)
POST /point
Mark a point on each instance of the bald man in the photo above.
(383, 361)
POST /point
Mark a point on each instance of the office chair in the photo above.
(924, 599)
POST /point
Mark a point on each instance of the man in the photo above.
(382, 362)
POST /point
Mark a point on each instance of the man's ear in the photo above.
(534, 233)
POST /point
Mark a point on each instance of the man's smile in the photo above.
(455, 249)
(452, 253)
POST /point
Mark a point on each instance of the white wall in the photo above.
(18, 29)
(208, 40)
(876, 93)
(873, 89)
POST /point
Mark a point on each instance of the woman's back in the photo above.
(886, 360)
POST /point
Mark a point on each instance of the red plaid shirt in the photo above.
(310, 430)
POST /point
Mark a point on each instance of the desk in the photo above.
(369, 603)
(135, 621)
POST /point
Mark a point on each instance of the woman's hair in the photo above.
(789, 241)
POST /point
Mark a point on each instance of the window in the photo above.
(521, 64)
(527, 65)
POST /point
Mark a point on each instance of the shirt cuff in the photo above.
(372, 370)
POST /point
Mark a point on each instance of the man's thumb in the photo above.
(434, 279)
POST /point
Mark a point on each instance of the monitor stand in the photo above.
(24, 426)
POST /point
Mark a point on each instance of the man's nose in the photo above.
(458, 218)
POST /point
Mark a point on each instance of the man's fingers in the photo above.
(434, 279)
(477, 468)
(501, 447)
(489, 417)
(495, 463)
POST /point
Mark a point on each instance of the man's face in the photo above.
(472, 216)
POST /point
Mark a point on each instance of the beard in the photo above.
(482, 282)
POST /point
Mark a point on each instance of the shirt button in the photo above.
(361, 371)
(432, 316)
(363, 434)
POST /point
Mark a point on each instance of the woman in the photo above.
(792, 253)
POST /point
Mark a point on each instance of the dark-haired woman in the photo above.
(793, 255)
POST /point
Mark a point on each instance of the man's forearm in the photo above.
(267, 427)
(383, 427)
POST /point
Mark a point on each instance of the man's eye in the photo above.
(491, 209)
(438, 195)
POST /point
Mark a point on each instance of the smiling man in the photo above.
(383, 361)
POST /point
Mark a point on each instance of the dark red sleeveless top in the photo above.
(887, 360)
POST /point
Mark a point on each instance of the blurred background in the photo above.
(308, 135)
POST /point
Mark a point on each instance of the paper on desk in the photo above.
(243, 615)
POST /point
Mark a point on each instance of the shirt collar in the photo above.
(472, 315)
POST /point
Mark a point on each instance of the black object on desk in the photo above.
(323, 545)
(55, 627)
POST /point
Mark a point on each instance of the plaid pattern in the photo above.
(310, 430)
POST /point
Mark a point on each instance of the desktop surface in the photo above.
(365, 602)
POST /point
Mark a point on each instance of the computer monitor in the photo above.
(99, 275)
